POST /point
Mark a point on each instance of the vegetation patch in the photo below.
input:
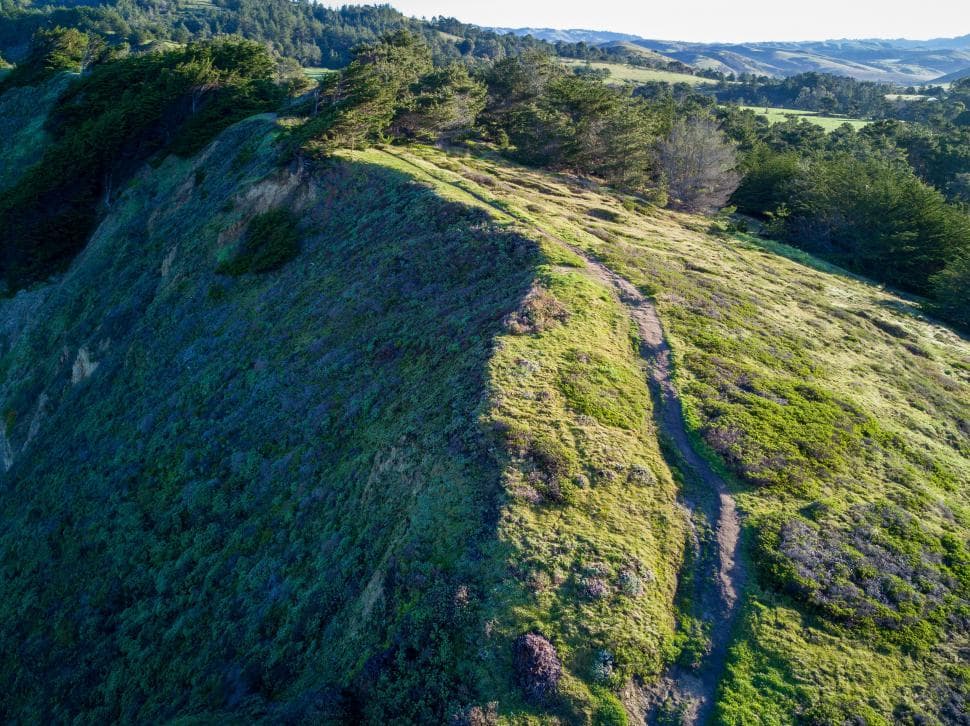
(272, 239)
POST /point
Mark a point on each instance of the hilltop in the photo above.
(439, 392)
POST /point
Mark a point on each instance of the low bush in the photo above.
(272, 240)
(879, 568)
(537, 668)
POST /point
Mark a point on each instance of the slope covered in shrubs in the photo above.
(335, 487)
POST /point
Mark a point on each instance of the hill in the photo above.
(317, 406)
(889, 61)
(638, 74)
(553, 35)
(955, 76)
(431, 433)
(866, 60)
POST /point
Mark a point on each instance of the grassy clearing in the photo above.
(318, 73)
(635, 74)
(835, 405)
(829, 123)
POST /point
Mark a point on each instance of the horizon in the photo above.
(750, 21)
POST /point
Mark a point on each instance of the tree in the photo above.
(376, 87)
(446, 101)
(699, 165)
(877, 217)
(767, 181)
(950, 287)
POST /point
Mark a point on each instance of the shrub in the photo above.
(881, 568)
(477, 715)
(609, 710)
(539, 312)
(537, 668)
(271, 241)
(603, 666)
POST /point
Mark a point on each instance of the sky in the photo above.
(710, 20)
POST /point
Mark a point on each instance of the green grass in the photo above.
(318, 73)
(635, 74)
(829, 399)
(829, 123)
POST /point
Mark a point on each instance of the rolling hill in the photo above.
(955, 76)
(455, 451)
(892, 61)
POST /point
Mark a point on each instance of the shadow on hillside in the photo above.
(267, 483)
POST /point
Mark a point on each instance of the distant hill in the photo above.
(895, 61)
(553, 35)
(955, 76)
(898, 61)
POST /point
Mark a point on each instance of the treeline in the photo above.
(856, 198)
(533, 110)
(828, 94)
(884, 201)
(811, 92)
(309, 32)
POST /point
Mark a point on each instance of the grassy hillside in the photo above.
(636, 74)
(347, 486)
(837, 409)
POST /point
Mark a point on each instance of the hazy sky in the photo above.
(707, 20)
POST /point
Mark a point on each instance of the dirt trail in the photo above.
(718, 574)
(715, 575)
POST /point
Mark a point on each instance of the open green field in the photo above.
(634, 74)
(317, 73)
(906, 96)
(829, 123)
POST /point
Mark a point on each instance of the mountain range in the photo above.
(892, 61)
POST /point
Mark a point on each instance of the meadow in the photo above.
(635, 74)
(829, 123)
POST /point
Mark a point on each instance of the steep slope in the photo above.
(341, 490)
(489, 438)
